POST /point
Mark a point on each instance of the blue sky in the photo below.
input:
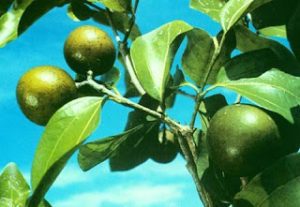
(149, 185)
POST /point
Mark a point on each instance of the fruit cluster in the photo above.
(44, 89)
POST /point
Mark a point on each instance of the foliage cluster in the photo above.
(264, 72)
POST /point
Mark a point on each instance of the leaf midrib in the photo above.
(62, 134)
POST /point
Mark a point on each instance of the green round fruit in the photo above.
(89, 48)
(165, 148)
(42, 91)
(243, 139)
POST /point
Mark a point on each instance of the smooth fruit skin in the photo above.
(243, 139)
(42, 91)
(89, 48)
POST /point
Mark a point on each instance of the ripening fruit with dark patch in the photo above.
(42, 91)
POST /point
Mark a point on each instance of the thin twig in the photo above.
(122, 46)
(181, 92)
(127, 102)
(125, 55)
(209, 70)
(132, 21)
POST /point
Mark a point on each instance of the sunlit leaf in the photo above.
(152, 56)
(65, 131)
(276, 186)
(276, 31)
(93, 153)
(274, 90)
(10, 20)
(14, 190)
(235, 9)
(210, 7)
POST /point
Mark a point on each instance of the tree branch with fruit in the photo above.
(236, 149)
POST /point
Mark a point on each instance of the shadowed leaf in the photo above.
(276, 186)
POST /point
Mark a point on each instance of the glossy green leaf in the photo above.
(14, 190)
(276, 186)
(199, 53)
(274, 90)
(152, 56)
(94, 153)
(293, 30)
(235, 9)
(248, 41)
(65, 131)
(36, 10)
(116, 5)
(276, 31)
(273, 13)
(10, 20)
(210, 7)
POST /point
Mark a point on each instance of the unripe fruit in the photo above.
(89, 48)
(243, 139)
(42, 91)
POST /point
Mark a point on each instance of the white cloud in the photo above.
(73, 175)
(140, 195)
(69, 176)
(150, 168)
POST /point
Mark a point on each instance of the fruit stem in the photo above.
(122, 45)
(132, 21)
